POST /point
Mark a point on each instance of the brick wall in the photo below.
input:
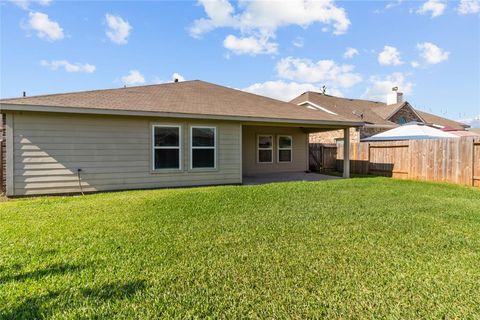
(331, 136)
(368, 132)
(355, 135)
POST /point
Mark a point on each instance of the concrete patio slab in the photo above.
(284, 177)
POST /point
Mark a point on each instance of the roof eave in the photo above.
(95, 111)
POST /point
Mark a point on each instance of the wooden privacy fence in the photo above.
(323, 157)
(2, 166)
(447, 160)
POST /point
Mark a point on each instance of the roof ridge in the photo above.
(350, 99)
(97, 90)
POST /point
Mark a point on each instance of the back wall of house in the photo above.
(114, 153)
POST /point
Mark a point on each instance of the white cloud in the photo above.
(261, 19)
(298, 42)
(473, 122)
(325, 71)
(68, 67)
(468, 6)
(435, 7)
(25, 4)
(394, 4)
(280, 89)
(350, 53)
(133, 77)
(177, 76)
(118, 29)
(415, 64)
(249, 45)
(380, 87)
(431, 53)
(389, 56)
(45, 28)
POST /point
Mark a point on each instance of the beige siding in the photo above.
(114, 153)
(299, 150)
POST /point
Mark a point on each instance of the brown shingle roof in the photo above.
(189, 97)
(346, 108)
(440, 121)
(387, 110)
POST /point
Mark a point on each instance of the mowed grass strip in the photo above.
(358, 248)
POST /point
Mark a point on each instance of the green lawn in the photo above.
(358, 248)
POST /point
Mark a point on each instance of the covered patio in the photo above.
(281, 152)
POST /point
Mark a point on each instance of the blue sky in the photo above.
(430, 49)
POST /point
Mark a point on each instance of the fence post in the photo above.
(346, 153)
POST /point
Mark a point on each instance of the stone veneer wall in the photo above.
(407, 113)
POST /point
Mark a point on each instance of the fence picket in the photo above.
(449, 160)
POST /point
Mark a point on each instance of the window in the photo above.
(203, 147)
(284, 146)
(265, 148)
(166, 147)
(402, 120)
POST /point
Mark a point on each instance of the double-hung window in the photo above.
(203, 147)
(284, 146)
(264, 148)
(167, 141)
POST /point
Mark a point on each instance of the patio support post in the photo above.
(346, 153)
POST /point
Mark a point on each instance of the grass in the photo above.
(358, 248)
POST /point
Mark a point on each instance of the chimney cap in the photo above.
(395, 89)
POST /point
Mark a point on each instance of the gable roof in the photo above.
(387, 111)
(182, 99)
(374, 112)
(346, 108)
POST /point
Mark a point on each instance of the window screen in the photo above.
(166, 147)
(203, 147)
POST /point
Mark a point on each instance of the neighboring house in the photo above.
(378, 116)
(169, 135)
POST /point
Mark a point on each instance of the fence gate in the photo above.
(322, 157)
(476, 164)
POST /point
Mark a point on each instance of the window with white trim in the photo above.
(203, 147)
(264, 148)
(284, 148)
(167, 142)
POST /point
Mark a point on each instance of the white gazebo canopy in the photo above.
(411, 131)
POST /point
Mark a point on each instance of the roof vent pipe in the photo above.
(176, 80)
(24, 94)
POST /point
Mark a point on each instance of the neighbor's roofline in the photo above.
(317, 106)
(53, 109)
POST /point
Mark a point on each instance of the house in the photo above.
(169, 135)
(378, 116)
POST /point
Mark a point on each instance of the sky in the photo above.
(357, 49)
